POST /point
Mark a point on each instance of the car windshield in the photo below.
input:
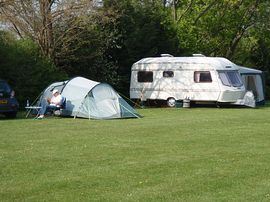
(4, 87)
(230, 78)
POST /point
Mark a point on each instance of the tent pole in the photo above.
(89, 108)
(77, 112)
(129, 110)
(130, 100)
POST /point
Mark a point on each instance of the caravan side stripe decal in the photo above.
(174, 89)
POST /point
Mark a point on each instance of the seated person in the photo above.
(54, 103)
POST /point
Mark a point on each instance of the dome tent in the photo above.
(90, 99)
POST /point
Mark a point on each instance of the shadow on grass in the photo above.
(22, 115)
(205, 105)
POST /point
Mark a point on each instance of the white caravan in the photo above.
(198, 79)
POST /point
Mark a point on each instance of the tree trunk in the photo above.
(46, 33)
(234, 43)
(175, 10)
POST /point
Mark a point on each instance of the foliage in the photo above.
(197, 154)
(36, 19)
(214, 28)
(85, 54)
(24, 68)
(140, 30)
(108, 42)
(102, 42)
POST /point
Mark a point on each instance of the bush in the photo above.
(22, 65)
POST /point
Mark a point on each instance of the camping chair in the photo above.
(55, 111)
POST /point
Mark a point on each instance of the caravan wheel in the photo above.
(171, 102)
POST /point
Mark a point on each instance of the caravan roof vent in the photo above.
(166, 55)
(198, 55)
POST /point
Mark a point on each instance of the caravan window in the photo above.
(230, 78)
(202, 77)
(168, 74)
(234, 78)
(224, 79)
(145, 76)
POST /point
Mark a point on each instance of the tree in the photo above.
(36, 19)
(214, 27)
(86, 53)
(140, 29)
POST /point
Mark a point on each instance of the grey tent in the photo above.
(254, 81)
(91, 99)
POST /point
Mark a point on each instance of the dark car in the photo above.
(8, 103)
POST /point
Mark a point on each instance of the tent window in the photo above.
(145, 76)
(202, 77)
(168, 74)
(251, 85)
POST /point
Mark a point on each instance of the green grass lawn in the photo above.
(197, 154)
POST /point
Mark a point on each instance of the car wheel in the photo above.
(11, 115)
(171, 102)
